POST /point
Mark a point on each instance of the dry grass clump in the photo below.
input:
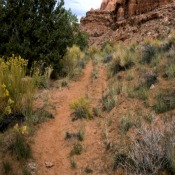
(82, 108)
(109, 99)
(93, 50)
(164, 100)
(123, 59)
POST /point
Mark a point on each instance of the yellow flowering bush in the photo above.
(20, 130)
(16, 91)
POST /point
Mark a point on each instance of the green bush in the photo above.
(77, 149)
(125, 124)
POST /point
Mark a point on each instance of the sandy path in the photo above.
(49, 140)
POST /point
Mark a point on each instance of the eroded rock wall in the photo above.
(128, 8)
(118, 19)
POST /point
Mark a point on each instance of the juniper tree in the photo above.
(38, 30)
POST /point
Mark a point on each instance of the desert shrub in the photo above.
(79, 136)
(107, 59)
(108, 103)
(109, 99)
(169, 43)
(125, 124)
(149, 51)
(107, 49)
(82, 108)
(130, 90)
(97, 58)
(72, 60)
(20, 148)
(164, 101)
(120, 160)
(107, 43)
(77, 149)
(170, 139)
(73, 164)
(16, 90)
(148, 151)
(88, 170)
(93, 50)
(96, 111)
(170, 70)
(130, 75)
(123, 59)
(41, 74)
(142, 93)
(151, 150)
(39, 116)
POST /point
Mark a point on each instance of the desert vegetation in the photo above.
(109, 109)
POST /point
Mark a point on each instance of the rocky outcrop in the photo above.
(117, 15)
(127, 8)
(96, 22)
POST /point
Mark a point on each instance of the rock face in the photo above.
(127, 8)
(117, 14)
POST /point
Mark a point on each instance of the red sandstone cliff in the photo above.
(116, 16)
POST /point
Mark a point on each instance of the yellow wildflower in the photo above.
(16, 128)
(8, 110)
(6, 93)
(23, 129)
(10, 101)
(3, 86)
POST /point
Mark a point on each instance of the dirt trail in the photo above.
(49, 140)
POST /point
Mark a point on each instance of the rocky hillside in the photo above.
(128, 20)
